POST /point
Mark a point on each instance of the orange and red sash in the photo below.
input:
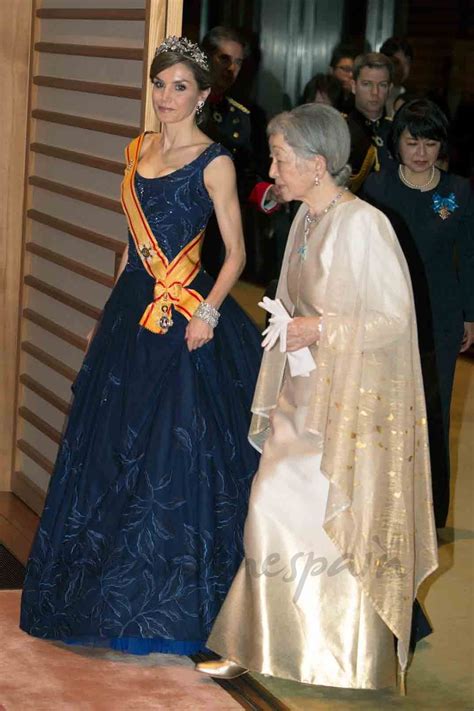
(171, 278)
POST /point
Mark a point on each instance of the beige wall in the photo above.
(74, 172)
(15, 31)
(62, 226)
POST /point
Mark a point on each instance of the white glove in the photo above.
(301, 362)
(278, 323)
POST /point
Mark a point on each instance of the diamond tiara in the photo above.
(183, 46)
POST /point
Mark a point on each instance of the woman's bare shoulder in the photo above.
(219, 170)
(150, 138)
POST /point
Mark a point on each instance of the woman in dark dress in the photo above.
(433, 215)
(141, 534)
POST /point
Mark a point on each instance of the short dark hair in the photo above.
(326, 84)
(373, 60)
(211, 40)
(423, 119)
(396, 44)
(341, 51)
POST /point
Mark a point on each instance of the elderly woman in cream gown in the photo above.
(340, 530)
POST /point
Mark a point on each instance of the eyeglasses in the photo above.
(344, 68)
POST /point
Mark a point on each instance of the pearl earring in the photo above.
(317, 180)
(199, 107)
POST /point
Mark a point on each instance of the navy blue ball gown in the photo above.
(141, 534)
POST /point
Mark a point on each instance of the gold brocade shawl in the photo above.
(171, 278)
(367, 412)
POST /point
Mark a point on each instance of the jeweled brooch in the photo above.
(444, 206)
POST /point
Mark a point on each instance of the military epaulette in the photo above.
(235, 103)
(388, 118)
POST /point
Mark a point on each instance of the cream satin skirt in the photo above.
(294, 610)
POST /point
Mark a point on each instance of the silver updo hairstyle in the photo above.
(317, 130)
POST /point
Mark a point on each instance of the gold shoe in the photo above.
(222, 668)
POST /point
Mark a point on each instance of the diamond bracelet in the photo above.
(208, 314)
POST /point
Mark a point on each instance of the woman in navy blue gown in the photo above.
(141, 533)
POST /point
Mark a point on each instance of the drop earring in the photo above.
(316, 180)
(199, 108)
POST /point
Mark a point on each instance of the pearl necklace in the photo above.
(409, 184)
(310, 220)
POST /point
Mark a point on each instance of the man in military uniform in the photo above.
(230, 123)
(368, 124)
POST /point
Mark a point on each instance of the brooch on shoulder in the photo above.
(444, 206)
